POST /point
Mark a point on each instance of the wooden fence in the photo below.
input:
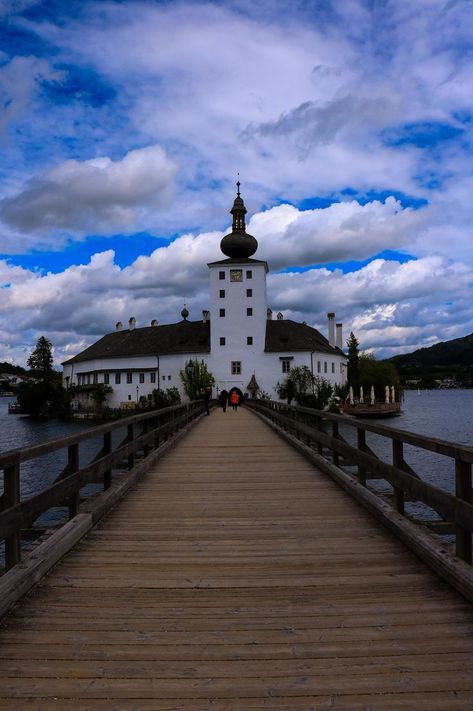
(141, 436)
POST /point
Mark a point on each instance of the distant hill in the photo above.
(12, 369)
(449, 358)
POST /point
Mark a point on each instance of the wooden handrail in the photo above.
(144, 433)
(310, 426)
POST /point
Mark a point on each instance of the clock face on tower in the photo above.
(236, 275)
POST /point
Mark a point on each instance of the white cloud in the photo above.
(93, 195)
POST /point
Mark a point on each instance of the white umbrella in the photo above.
(350, 395)
(393, 394)
(372, 395)
(386, 394)
(361, 394)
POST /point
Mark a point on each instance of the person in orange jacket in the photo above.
(234, 400)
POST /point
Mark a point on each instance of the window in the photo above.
(249, 274)
(286, 365)
(325, 366)
(318, 366)
(221, 276)
(169, 377)
(164, 377)
(152, 377)
(95, 378)
(87, 379)
(129, 397)
(236, 367)
(222, 293)
(333, 367)
(249, 292)
(249, 312)
(249, 340)
(118, 378)
(129, 378)
(222, 340)
(222, 312)
(106, 378)
(142, 377)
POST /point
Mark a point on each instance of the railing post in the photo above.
(318, 422)
(130, 437)
(72, 467)
(361, 443)
(335, 455)
(398, 462)
(107, 449)
(11, 497)
(463, 491)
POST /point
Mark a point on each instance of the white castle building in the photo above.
(243, 347)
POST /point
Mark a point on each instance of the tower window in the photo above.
(222, 312)
(249, 274)
(221, 276)
(249, 292)
(249, 340)
(249, 312)
(222, 340)
(222, 293)
(236, 367)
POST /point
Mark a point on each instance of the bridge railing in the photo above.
(325, 433)
(138, 436)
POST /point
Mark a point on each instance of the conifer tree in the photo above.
(40, 361)
(353, 369)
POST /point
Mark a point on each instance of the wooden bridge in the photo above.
(234, 575)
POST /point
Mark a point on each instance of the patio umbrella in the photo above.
(372, 395)
(361, 394)
(393, 394)
(386, 394)
(350, 395)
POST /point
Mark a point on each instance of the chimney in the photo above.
(331, 328)
(118, 326)
(339, 340)
(279, 316)
(154, 322)
(269, 314)
(205, 315)
(131, 323)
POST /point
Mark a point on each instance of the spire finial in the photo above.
(238, 184)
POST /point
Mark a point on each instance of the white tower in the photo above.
(238, 305)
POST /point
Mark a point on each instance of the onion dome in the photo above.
(184, 313)
(238, 244)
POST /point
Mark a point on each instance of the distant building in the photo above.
(238, 339)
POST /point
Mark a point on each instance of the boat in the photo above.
(378, 409)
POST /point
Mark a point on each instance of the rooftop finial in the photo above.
(238, 184)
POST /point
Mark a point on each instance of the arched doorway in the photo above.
(241, 397)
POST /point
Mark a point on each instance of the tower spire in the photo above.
(238, 244)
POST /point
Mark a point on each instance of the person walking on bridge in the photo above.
(234, 400)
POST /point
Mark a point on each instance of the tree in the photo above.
(100, 393)
(40, 361)
(166, 398)
(372, 372)
(306, 389)
(196, 378)
(353, 361)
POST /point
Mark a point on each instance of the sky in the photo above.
(123, 125)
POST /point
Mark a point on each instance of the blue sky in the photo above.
(123, 126)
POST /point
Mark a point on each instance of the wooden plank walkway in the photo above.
(237, 577)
